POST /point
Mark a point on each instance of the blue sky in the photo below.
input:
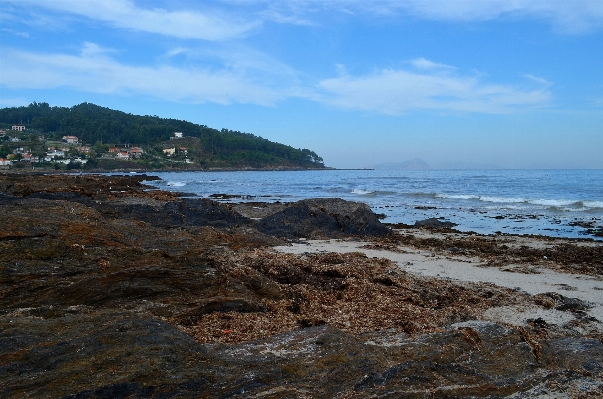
(512, 83)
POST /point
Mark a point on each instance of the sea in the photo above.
(556, 203)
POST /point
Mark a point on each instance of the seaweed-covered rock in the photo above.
(434, 223)
(324, 217)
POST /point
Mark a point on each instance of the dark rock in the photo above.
(107, 295)
(434, 223)
(323, 218)
(125, 356)
(571, 304)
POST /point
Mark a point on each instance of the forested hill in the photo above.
(94, 124)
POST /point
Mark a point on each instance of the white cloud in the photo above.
(537, 79)
(16, 33)
(93, 70)
(249, 77)
(571, 16)
(177, 51)
(186, 24)
(396, 92)
(422, 63)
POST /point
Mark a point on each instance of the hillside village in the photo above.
(23, 148)
(92, 137)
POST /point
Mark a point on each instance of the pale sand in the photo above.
(461, 268)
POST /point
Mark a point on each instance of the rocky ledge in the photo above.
(109, 289)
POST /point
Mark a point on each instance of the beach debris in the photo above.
(580, 257)
(352, 292)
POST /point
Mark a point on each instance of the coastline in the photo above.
(186, 294)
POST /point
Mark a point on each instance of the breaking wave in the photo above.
(548, 203)
(176, 183)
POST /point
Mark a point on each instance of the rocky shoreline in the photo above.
(110, 289)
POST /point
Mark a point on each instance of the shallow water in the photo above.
(545, 202)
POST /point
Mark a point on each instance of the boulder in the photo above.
(323, 218)
(434, 223)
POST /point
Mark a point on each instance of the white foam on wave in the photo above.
(593, 204)
(176, 183)
(502, 200)
(565, 204)
(359, 191)
(555, 202)
(458, 196)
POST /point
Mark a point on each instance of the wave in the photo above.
(459, 196)
(561, 204)
(359, 191)
(176, 183)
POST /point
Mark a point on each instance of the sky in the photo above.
(457, 83)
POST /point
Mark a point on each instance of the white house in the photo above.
(55, 153)
(5, 163)
(70, 139)
(122, 155)
(18, 128)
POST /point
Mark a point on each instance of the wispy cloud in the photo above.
(422, 63)
(94, 70)
(396, 91)
(186, 23)
(576, 16)
(250, 78)
(16, 33)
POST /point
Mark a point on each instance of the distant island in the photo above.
(413, 164)
(88, 136)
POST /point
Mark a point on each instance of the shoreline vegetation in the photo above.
(111, 288)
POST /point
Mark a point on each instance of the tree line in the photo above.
(95, 124)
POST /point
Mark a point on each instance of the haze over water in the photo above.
(545, 202)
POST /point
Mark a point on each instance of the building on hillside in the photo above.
(30, 158)
(177, 135)
(5, 163)
(183, 150)
(123, 155)
(169, 151)
(18, 128)
(114, 150)
(71, 139)
(55, 153)
(135, 152)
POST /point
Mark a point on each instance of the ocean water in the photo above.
(556, 203)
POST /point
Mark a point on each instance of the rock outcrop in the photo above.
(108, 290)
(323, 218)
